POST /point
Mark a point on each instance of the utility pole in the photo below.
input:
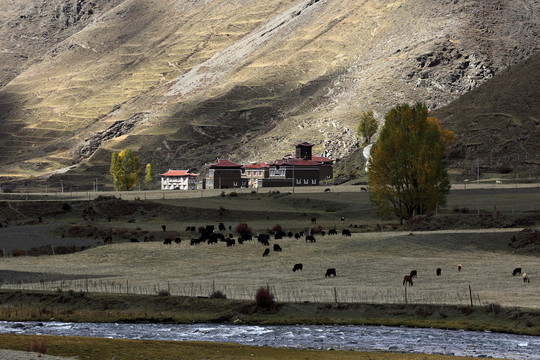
(293, 179)
(477, 170)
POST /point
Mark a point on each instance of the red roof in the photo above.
(257, 166)
(223, 163)
(296, 162)
(178, 173)
(322, 159)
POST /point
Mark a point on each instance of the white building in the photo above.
(179, 180)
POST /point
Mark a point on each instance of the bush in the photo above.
(264, 298)
(38, 346)
(66, 207)
(275, 229)
(243, 229)
(218, 295)
(164, 293)
(505, 169)
(493, 308)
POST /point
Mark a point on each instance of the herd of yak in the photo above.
(210, 235)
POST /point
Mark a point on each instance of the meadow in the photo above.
(473, 230)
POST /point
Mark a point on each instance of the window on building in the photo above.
(306, 181)
(298, 181)
(314, 181)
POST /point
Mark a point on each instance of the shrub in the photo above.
(243, 229)
(264, 298)
(66, 207)
(276, 228)
(38, 346)
(218, 295)
(493, 307)
(505, 169)
(164, 293)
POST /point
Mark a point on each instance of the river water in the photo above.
(360, 338)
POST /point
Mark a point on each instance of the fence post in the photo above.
(470, 295)
(405, 296)
(335, 295)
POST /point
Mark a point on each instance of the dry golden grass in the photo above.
(370, 268)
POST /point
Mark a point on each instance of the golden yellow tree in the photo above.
(125, 169)
(406, 171)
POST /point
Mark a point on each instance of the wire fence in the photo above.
(282, 293)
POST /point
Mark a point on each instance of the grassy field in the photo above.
(98, 349)
(370, 264)
(473, 230)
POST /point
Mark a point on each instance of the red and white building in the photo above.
(252, 173)
(179, 180)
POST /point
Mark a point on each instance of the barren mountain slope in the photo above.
(183, 82)
(499, 118)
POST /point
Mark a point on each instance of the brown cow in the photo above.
(407, 279)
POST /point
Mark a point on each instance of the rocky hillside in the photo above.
(185, 81)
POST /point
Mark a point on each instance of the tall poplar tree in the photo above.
(406, 171)
(125, 169)
(148, 175)
(368, 126)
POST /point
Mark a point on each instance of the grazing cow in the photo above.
(459, 267)
(266, 252)
(221, 227)
(290, 234)
(278, 235)
(439, 271)
(323, 233)
(297, 236)
(301, 233)
(310, 238)
(40, 219)
(134, 240)
(313, 220)
(167, 241)
(345, 232)
(240, 240)
(363, 189)
(188, 228)
(327, 190)
(277, 247)
(230, 242)
(212, 240)
(332, 232)
(297, 267)
(192, 229)
(525, 278)
(108, 240)
(330, 271)
(516, 271)
(342, 219)
(413, 274)
(195, 241)
(109, 219)
(163, 227)
(407, 279)
(178, 240)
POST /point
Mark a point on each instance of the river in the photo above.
(322, 337)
